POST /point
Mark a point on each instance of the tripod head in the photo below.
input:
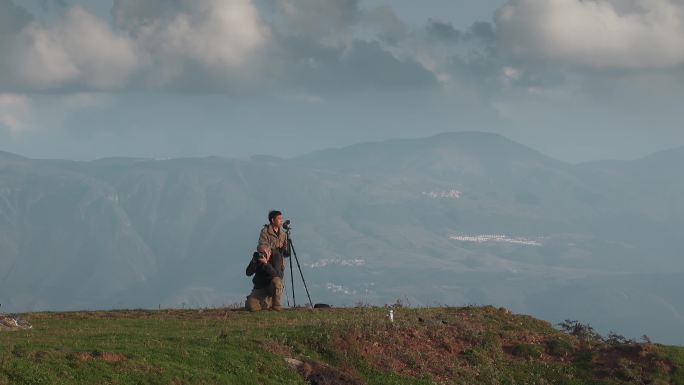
(287, 226)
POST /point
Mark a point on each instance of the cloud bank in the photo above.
(214, 34)
(76, 50)
(606, 34)
(155, 40)
(13, 111)
(210, 45)
(321, 46)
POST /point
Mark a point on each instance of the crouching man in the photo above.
(268, 280)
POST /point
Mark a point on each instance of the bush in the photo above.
(560, 347)
(491, 342)
(527, 351)
(615, 339)
(475, 357)
(582, 331)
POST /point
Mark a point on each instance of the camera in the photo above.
(258, 254)
(286, 225)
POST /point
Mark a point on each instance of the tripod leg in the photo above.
(287, 297)
(294, 300)
(294, 253)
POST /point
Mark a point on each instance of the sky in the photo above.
(576, 80)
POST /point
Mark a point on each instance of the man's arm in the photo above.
(263, 237)
(277, 262)
(286, 249)
(251, 268)
(269, 270)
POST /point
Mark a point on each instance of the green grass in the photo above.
(472, 345)
(674, 356)
(160, 351)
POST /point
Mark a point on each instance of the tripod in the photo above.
(291, 252)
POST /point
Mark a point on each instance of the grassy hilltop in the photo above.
(469, 345)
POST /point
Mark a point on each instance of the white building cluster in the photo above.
(483, 238)
(443, 194)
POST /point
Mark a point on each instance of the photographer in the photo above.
(273, 235)
(268, 282)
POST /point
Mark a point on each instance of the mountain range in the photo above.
(457, 218)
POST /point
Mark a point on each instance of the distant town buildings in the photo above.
(482, 238)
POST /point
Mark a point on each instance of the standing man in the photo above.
(273, 235)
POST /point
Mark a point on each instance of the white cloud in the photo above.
(215, 45)
(622, 34)
(216, 34)
(78, 49)
(318, 19)
(510, 75)
(158, 40)
(13, 112)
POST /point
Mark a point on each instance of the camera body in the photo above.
(258, 254)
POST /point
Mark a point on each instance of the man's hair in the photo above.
(272, 215)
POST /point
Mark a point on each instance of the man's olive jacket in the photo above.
(272, 239)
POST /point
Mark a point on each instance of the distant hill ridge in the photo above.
(132, 232)
(397, 151)
(463, 140)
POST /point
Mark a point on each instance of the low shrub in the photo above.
(560, 347)
(528, 351)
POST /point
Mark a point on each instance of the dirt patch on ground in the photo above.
(83, 356)
(100, 356)
(316, 373)
(276, 348)
(435, 345)
(409, 351)
(112, 357)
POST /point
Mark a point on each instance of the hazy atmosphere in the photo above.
(523, 153)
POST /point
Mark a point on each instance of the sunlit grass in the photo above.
(470, 345)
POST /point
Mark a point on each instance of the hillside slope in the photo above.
(469, 345)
